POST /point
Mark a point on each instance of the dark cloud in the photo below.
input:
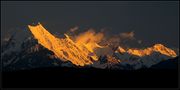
(122, 39)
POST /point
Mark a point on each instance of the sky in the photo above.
(151, 21)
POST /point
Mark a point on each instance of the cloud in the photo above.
(90, 39)
(89, 36)
(74, 29)
(139, 41)
(125, 39)
(127, 35)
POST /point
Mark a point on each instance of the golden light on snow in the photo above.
(80, 51)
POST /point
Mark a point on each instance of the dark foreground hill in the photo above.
(90, 77)
(168, 64)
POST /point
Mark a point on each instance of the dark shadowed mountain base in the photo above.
(90, 77)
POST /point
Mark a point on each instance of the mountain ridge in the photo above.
(31, 49)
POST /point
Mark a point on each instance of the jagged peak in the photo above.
(164, 50)
(65, 49)
(147, 51)
(121, 50)
(158, 45)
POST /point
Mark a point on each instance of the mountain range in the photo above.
(40, 50)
